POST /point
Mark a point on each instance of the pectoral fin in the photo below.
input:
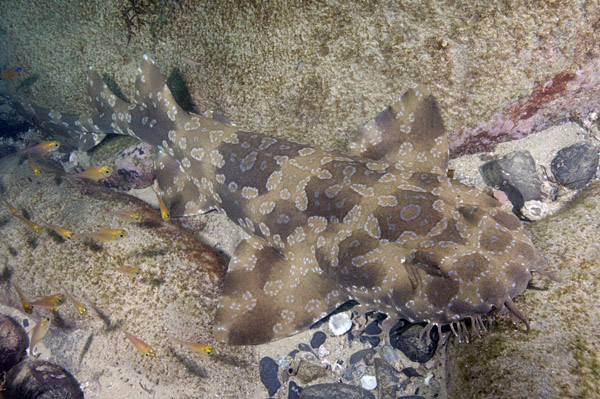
(267, 296)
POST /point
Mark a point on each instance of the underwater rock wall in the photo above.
(312, 72)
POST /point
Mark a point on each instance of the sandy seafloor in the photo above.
(312, 73)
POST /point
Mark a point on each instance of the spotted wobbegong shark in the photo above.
(381, 224)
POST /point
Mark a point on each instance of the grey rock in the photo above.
(335, 391)
(294, 390)
(268, 375)
(515, 174)
(576, 165)
(387, 379)
(13, 343)
(407, 339)
(389, 354)
(411, 372)
(318, 339)
(373, 328)
(360, 355)
(39, 379)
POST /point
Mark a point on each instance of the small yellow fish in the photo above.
(36, 170)
(11, 208)
(80, 308)
(106, 235)
(95, 173)
(27, 307)
(164, 211)
(10, 73)
(43, 148)
(125, 215)
(196, 347)
(64, 233)
(38, 332)
(143, 347)
(132, 271)
(52, 301)
(33, 226)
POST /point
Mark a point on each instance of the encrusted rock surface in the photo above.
(559, 357)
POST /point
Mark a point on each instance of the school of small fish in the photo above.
(105, 235)
(382, 224)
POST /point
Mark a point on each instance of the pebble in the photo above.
(368, 382)
(576, 165)
(371, 339)
(373, 328)
(134, 167)
(360, 355)
(340, 324)
(13, 343)
(516, 175)
(389, 354)
(411, 372)
(294, 390)
(35, 379)
(308, 372)
(335, 391)
(268, 375)
(406, 339)
(387, 379)
(318, 339)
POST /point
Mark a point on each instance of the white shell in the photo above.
(534, 210)
(339, 324)
(368, 382)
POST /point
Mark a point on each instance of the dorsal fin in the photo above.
(409, 134)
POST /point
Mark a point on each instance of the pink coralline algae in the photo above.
(567, 96)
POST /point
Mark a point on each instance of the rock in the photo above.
(294, 390)
(134, 167)
(318, 339)
(269, 375)
(39, 379)
(387, 379)
(576, 165)
(13, 343)
(406, 339)
(411, 372)
(335, 391)
(517, 171)
(373, 328)
(308, 372)
(360, 355)
(372, 340)
(389, 354)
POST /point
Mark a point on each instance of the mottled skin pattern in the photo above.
(384, 225)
